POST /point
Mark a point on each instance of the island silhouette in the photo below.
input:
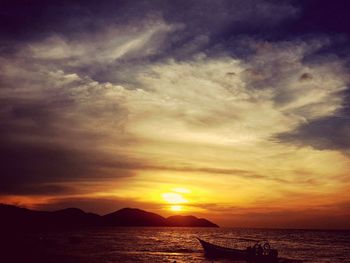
(23, 218)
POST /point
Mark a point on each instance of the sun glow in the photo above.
(174, 198)
(176, 208)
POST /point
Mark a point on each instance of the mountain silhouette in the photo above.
(13, 217)
(189, 221)
(133, 217)
(22, 218)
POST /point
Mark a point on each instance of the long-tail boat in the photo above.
(261, 252)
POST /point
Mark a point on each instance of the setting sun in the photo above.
(174, 198)
(176, 208)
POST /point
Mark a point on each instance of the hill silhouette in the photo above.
(133, 217)
(189, 221)
(13, 217)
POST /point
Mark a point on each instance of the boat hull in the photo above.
(218, 251)
(215, 251)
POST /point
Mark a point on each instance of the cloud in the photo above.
(69, 17)
(215, 105)
(104, 47)
(330, 133)
(51, 128)
(124, 39)
(230, 101)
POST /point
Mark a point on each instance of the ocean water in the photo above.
(137, 244)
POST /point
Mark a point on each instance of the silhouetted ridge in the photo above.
(13, 217)
(74, 217)
(191, 221)
(25, 218)
(133, 217)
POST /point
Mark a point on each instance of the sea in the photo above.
(152, 244)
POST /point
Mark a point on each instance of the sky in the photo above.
(233, 110)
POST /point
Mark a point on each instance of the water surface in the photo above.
(136, 244)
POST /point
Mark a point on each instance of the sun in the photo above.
(174, 198)
(176, 208)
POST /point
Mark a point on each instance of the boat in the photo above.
(259, 253)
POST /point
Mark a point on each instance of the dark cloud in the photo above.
(34, 158)
(26, 164)
(305, 77)
(322, 16)
(331, 132)
(23, 21)
(222, 19)
(46, 167)
(38, 16)
(31, 19)
(35, 188)
(210, 27)
(326, 133)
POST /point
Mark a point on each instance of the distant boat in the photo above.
(259, 253)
